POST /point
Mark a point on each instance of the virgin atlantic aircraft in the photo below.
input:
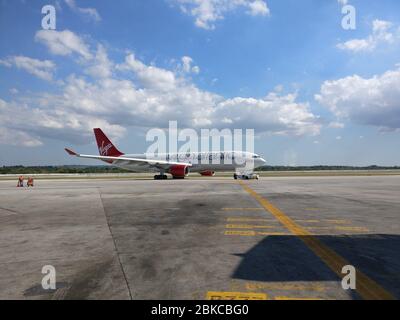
(178, 164)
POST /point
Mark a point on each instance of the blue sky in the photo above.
(314, 92)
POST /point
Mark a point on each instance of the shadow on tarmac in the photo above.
(287, 258)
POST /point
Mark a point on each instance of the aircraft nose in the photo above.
(259, 162)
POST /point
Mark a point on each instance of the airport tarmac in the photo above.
(214, 238)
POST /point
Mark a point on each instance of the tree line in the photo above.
(109, 169)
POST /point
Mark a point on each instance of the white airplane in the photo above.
(178, 165)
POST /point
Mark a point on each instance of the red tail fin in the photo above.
(106, 148)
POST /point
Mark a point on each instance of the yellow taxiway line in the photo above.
(218, 295)
(367, 288)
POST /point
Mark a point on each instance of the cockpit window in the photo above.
(256, 157)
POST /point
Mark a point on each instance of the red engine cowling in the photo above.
(208, 173)
(179, 171)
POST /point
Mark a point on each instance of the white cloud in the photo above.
(63, 43)
(381, 33)
(13, 138)
(276, 114)
(89, 12)
(135, 94)
(343, 2)
(41, 69)
(150, 77)
(336, 125)
(258, 7)
(207, 12)
(27, 122)
(10, 135)
(196, 69)
(100, 66)
(187, 61)
(187, 65)
(372, 101)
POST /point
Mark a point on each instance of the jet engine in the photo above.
(179, 171)
(208, 173)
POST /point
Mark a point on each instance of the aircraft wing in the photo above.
(150, 162)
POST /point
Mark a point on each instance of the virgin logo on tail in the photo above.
(104, 149)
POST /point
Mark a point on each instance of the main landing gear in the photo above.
(160, 177)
